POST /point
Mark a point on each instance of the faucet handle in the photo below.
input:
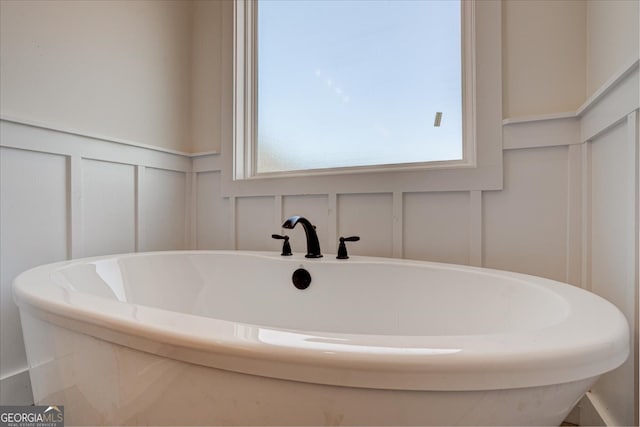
(286, 247)
(342, 248)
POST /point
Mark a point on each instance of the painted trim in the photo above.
(203, 154)
(245, 120)
(192, 201)
(611, 110)
(189, 183)
(574, 257)
(397, 231)
(62, 129)
(75, 214)
(485, 175)
(596, 97)
(585, 279)
(607, 86)
(635, 120)
(208, 163)
(594, 412)
(138, 208)
(633, 138)
(23, 136)
(84, 134)
(475, 228)
(547, 132)
(233, 227)
(76, 149)
(539, 118)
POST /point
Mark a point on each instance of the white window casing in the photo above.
(480, 168)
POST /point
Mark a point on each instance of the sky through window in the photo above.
(353, 83)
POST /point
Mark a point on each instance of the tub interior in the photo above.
(353, 296)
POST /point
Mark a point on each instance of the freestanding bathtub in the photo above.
(225, 338)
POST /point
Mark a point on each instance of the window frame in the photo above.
(481, 167)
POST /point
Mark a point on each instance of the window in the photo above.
(331, 88)
(357, 83)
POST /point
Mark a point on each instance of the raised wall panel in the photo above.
(63, 195)
(163, 210)
(436, 227)
(315, 209)
(33, 226)
(612, 249)
(254, 223)
(525, 224)
(369, 216)
(108, 207)
(212, 213)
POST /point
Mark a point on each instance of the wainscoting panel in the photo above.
(369, 216)
(33, 230)
(65, 195)
(525, 225)
(108, 208)
(254, 223)
(612, 252)
(211, 213)
(164, 210)
(436, 227)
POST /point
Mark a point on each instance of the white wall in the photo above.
(118, 69)
(206, 89)
(544, 56)
(612, 38)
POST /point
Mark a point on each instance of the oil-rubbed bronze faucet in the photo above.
(313, 245)
(342, 248)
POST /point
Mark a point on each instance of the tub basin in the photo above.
(227, 338)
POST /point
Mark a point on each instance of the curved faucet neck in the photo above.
(313, 244)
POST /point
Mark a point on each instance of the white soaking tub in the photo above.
(225, 338)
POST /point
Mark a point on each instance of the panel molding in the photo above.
(398, 224)
(475, 229)
(23, 136)
(606, 108)
(575, 215)
(74, 165)
(633, 139)
(83, 134)
(78, 148)
(139, 206)
(607, 121)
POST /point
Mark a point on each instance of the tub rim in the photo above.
(445, 362)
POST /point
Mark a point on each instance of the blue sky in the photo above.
(343, 83)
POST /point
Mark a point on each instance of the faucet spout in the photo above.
(313, 245)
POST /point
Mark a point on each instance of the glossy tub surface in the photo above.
(224, 337)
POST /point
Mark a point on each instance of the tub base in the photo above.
(101, 383)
